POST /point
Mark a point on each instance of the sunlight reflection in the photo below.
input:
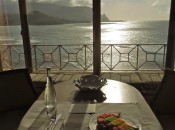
(113, 34)
(112, 94)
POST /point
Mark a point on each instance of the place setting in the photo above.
(113, 121)
(90, 90)
(96, 104)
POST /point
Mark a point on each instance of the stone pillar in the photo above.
(96, 37)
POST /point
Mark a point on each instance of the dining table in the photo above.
(79, 109)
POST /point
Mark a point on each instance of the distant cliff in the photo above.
(104, 18)
(35, 18)
(78, 13)
(50, 14)
(38, 18)
(63, 12)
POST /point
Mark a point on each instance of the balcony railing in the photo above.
(114, 57)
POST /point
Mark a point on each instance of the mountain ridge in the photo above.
(48, 14)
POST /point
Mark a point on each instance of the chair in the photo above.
(163, 104)
(17, 94)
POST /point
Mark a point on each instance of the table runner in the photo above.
(37, 119)
(77, 117)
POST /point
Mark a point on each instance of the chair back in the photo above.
(164, 100)
(16, 90)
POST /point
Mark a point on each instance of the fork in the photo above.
(52, 119)
(56, 121)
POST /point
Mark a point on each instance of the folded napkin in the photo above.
(43, 123)
(77, 122)
(36, 118)
(82, 108)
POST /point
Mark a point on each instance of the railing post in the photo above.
(11, 56)
(85, 57)
(164, 55)
(111, 58)
(1, 67)
(34, 46)
(137, 64)
(60, 56)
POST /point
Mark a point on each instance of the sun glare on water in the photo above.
(113, 33)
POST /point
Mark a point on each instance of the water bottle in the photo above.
(50, 95)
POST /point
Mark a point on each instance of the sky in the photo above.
(134, 10)
(137, 9)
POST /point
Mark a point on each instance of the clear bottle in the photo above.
(50, 95)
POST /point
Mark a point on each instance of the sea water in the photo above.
(148, 32)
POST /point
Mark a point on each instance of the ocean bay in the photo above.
(120, 37)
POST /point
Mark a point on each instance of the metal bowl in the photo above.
(90, 83)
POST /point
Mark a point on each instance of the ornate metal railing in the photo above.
(80, 57)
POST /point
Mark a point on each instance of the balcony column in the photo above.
(170, 56)
(96, 37)
(25, 34)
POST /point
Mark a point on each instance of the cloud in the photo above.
(161, 3)
(120, 9)
(82, 2)
(111, 2)
(162, 6)
(66, 2)
(136, 9)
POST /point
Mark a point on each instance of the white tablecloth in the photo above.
(77, 116)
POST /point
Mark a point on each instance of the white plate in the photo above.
(93, 123)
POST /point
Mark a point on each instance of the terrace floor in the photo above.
(145, 81)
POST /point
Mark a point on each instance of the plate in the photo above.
(90, 83)
(93, 123)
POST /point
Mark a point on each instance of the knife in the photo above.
(56, 121)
